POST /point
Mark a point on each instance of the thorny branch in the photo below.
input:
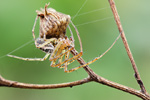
(92, 76)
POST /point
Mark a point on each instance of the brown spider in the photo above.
(53, 40)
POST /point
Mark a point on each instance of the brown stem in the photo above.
(92, 77)
(117, 19)
(8, 83)
(104, 81)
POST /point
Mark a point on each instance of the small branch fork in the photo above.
(93, 77)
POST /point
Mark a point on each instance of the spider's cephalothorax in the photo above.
(53, 24)
(45, 45)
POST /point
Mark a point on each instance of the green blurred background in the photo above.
(16, 22)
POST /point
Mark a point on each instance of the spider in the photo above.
(53, 40)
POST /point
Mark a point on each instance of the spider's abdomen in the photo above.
(53, 24)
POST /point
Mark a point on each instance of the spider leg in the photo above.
(55, 50)
(59, 57)
(34, 26)
(58, 54)
(95, 59)
(60, 60)
(72, 37)
(67, 60)
(56, 57)
(31, 59)
(66, 57)
(66, 64)
(81, 49)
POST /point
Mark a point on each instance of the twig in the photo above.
(92, 77)
(104, 81)
(8, 83)
(117, 19)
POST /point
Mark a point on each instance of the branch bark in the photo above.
(120, 28)
(109, 83)
(92, 77)
(8, 83)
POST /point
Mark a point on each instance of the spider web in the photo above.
(73, 17)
